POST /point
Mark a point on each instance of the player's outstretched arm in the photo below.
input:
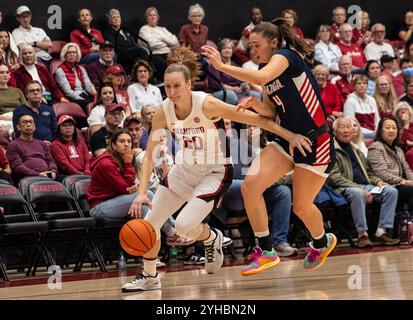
(215, 109)
(154, 139)
(277, 65)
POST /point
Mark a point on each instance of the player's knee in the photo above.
(300, 209)
(247, 188)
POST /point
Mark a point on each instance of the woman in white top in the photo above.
(106, 96)
(160, 41)
(327, 52)
(141, 93)
(362, 107)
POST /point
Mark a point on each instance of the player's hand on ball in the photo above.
(300, 142)
(213, 56)
(135, 210)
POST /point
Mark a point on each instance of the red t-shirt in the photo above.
(331, 98)
(3, 159)
(355, 52)
(71, 159)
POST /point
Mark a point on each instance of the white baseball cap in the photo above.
(22, 9)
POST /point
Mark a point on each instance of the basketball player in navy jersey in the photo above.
(202, 170)
(291, 92)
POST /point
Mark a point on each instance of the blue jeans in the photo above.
(388, 199)
(278, 202)
(118, 208)
(231, 98)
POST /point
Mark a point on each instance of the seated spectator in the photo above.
(194, 34)
(160, 40)
(406, 31)
(357, 139)
(12, 81)
(242, 48)
(406, 66)
(351, 49)
(26, 34)
(361, 31)
(99, 140)
(147, 117)
(233, 87)
(339, 16)
(408, 97)
(70, 153)
(29, 156)
(126, 48)
(253, 64)
(96, 70)
(387, 161)
(362, 107)
(43, 115)
(385, 97)
(352, 177)
(372, 72)
(291, 16)
(329, 93)
(344, 80)
(404, 116)
(10, 99)
(5, 169)
(86, 37)
(112, 187)
(73, 78)
(31, 70)
(393, 72)
(378, 48)
(10, 51)
(408, 52)
(115, 75)
(326, 52)
(105, 97)
(141, 92)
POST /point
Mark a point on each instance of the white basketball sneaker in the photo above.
(213, 253)
(142, 282)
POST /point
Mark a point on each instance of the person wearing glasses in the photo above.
(377, 48)
(27, 155)
(43, 115)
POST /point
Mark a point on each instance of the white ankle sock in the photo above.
(149, 266)
(211, 237)
(380, 231)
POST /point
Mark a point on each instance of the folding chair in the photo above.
(62, 222)
(18, 224)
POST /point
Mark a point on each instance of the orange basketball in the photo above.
(137, 237)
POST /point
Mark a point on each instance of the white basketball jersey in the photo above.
(202, 141)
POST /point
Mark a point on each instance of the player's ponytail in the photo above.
(286, 33)
(184, 60)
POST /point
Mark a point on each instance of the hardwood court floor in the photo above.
(383, 275)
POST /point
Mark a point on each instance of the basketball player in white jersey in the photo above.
(203, 170)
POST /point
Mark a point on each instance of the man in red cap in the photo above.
(100, 139)
(70, 153)
(97, 69)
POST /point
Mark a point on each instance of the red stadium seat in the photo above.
(57, 46)
(69, 108)
(54, 65)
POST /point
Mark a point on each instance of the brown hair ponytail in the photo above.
(287, 34)
(280, 29)
(184, 60)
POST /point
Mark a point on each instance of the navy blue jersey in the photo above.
(296, 95)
